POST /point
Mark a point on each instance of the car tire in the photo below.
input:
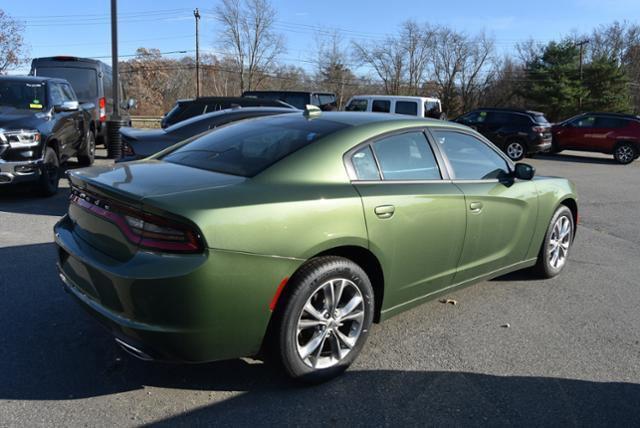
(88, 154)
(317, 340)
(515, 150)
(50, 173)
(556, 245)
(625, 153)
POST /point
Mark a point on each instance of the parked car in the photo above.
(299, 99)
(412, 106)
(291, 234)
(42, 125)
(140, 143)
(610, 133)
(516, 132)
(92, 81)
(186, 109)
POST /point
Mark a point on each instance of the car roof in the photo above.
(397, 97)
(32, 79)
(620, 115)
(510, 110)
(354, 119)
(290, 92)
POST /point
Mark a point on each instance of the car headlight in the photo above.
(20, 138)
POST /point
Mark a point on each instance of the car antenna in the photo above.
(311, 111)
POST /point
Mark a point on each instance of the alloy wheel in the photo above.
(559, 242)
(330, 323)
(625, 153)
(515, 151)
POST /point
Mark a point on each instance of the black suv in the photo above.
(186, 109)
(41, 126)
(516, 132)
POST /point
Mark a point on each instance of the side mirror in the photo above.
(67, 106)
(129, 104)
(524, 171)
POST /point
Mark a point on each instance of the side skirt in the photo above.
(390, 312)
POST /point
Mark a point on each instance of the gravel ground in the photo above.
(569, 357)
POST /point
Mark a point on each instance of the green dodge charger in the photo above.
(287, 236)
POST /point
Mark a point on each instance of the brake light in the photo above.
(540, 129)
(102, 104)
(141, 228)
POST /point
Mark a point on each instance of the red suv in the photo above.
(611, 133)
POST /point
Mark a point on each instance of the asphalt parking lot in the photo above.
(570, 356)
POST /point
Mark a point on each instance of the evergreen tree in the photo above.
(607, 87)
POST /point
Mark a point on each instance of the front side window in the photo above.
(67, 92)
(407, 107)
(431, 108)
(406, 157)
(584, 122)
(381, 106)
(357, 105)
(57, 98)
(469, 157)
(475, 117)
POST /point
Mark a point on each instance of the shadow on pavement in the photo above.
(51, 350)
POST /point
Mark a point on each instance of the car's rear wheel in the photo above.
(50, 173)
(624, 153)
(326, 319)
(557, 243)
(88, 154)
(515, 149)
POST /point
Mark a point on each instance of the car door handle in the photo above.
(475, 207)
(384, 211)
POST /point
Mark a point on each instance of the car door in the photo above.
(576, 134)
(501, 213)
(78, 132)
(608, 131)
(415, 217)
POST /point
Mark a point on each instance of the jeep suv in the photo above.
(610, 133)
(516, 132)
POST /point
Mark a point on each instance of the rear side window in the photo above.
(365, 164)
(247, 148)
(381, 106)
(407, 107)
(610, 122)
(470, 158)
(539, 118)
(406, 157)
(83, 80)
(521, 120)
(357, 105)
(326, 99)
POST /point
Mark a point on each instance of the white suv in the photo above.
(412, 106)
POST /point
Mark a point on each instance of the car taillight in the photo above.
(102, 104)
(540, 129)
(141, 228)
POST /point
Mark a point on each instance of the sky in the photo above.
(81, 28)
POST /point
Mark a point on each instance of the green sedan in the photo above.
(285, 237)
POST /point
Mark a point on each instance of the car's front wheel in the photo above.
(624, 153)
(557, 243)
(325, 320)
(516, 150)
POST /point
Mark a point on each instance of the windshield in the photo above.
(22, 95)
(247, 148)
(84, 81)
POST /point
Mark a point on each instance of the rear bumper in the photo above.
(20, 172)
(540, 145)
(189, 308)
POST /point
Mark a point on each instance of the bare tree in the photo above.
(332, 70)
(249, 37)
(450, 53)
(386, 59)
(12, 47)
(477, 70)
(417, 42)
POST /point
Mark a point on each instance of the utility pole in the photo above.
(115, 122)
(581, 44)
(196, 14)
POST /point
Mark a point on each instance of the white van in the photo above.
(412, 106)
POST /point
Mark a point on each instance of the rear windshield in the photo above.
(84, 81)
(539, 118)
(248, 148)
